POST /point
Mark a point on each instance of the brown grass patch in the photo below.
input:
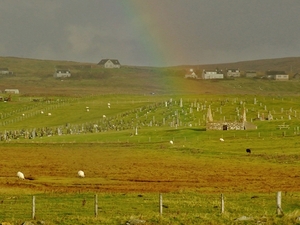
(53, 167)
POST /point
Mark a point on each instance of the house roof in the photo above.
(274, 72)
(114, 61)
(215, 71)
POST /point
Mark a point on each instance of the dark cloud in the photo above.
(154, 33)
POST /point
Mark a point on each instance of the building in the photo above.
(277, 75)
(5, 71)
(282, 77)
(62, 73)
(109, 63)
(250, 74)
(212, 74)
(233, 73)
(12, 91)
(191, 74)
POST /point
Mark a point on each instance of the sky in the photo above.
(150, 32)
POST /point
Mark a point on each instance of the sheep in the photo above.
(20, 175)
(81, 173)
(221, 139)
(248, 150)
(171, 142)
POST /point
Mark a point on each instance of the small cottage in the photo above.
(12, 91)
(62, 73)
(109, 63)
(191, 74)
(277, 75)
(281, 77)
(233, 73)
(5, 71)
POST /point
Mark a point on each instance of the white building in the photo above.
(62, 73)
(109, 63)
(12, 91)
(233, 73)
(191, 74)
(281, 77)
(212, 74)
(5, 71)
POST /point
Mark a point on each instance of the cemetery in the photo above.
(175, 113)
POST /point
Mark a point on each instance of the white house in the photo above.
(233, 73)
(12, 91)
(62, 73)
(212, 74)
(191, 74)
(277, 75)
(281, 77)
(109, 63)
(5, 71)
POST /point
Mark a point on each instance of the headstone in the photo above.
(33, 134)
(209, 116)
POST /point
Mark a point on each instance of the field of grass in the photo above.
(121, 208)
(119, 133)
(120, 161)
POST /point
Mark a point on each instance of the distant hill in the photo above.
(35, 77)
(290, 65)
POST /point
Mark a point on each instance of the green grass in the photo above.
(178, 208)
(23, 111)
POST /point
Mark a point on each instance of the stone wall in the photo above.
(225, 126)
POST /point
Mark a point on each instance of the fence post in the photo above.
(33, 207)
(222, 204)
(96, 205)
(279, 209)
(160, 204)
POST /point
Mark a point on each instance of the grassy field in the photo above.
(120, 161)
(177, 208)
(119, 133)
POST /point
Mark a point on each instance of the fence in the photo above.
(51, 206)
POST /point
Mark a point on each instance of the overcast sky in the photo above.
(150, 32)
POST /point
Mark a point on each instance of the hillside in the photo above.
(289, 65)
(35, 77)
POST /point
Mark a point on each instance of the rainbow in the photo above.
(159, 43)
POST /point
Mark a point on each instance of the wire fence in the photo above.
(51, 206)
